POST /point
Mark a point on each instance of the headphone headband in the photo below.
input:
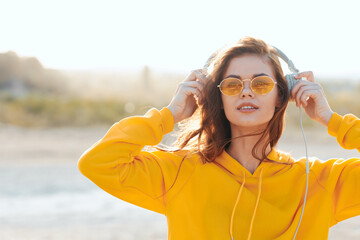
(290, 64)
(282, 55)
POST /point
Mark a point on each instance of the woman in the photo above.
(226, 180)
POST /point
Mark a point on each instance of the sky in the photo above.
(321, 36)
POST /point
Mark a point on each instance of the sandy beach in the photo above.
(44, 196)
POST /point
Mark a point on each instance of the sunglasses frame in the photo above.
(242, 81)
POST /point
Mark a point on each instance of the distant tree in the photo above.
(9, 66)
(146, 78)
(28, 74)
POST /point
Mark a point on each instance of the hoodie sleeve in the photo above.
(117, 164)
(342, 177)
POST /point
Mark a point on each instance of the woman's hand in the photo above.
(188, 96)
(310, 95)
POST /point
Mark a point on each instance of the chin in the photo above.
(251, 120)
(249, 125)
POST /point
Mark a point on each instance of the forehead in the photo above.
(247, 65)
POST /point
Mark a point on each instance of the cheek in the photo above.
(229, 107)
(271, 103)
(273, 100)
(226, 102)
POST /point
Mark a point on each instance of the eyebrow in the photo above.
(253, 76)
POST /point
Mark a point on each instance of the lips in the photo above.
(247, 104)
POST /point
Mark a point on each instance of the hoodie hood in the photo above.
(240, 173)
(236, 169)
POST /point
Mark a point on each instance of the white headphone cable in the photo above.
(307, 172)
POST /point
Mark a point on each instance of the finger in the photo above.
(296, 87)
(195, 75)
(191, 76)
(309, 75)
(199, 99)
(300, 96)
(306, 95)
(195, 84)
(300, 84)
(191, 88)
(300, 92)
(201, 76)
(193, 91)
(203, 71)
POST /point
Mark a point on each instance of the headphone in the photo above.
(290, 78)
(291, 81)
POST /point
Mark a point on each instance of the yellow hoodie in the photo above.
(223, 200)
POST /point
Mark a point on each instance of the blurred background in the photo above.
(70, 69)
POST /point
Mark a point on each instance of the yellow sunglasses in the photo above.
(232, 86)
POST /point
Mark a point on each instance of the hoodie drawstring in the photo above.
(237, 200)
(256, 205)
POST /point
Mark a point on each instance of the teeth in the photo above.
(247, 107)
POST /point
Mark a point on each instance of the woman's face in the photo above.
(245, 120)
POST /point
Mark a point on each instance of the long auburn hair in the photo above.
(207, 132)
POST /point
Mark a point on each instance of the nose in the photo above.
(246, 92)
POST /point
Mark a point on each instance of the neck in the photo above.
(241, 148)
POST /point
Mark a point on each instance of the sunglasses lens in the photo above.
(262, 85)
(231, 86)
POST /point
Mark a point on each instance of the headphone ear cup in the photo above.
(291, 81)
